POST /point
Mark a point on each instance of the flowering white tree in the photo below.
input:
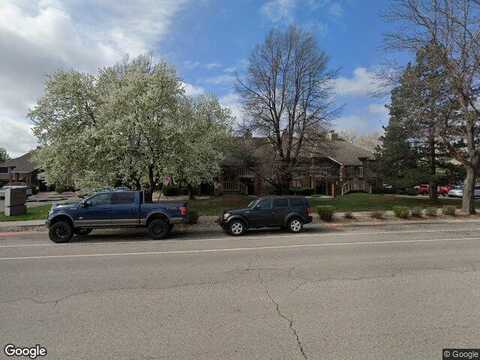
(129, 124)
(203, 130)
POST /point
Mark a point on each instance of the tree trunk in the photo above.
(191, 193)
(468, 205)
(284, 178)
(432, 191)
(151, 186)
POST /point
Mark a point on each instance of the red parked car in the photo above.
(424, 189)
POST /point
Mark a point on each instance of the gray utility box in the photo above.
(15, 200)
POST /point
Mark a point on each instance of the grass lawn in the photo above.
(35, 213)
(350, 202)
(368, 202)
(216, 205)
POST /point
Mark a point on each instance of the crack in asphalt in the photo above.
(283, 316)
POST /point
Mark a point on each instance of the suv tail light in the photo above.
(183, 211)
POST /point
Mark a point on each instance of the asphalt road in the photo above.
(396, 292)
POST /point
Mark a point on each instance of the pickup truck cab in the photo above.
(113, 209)
(287, 212)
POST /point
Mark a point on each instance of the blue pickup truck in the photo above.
(114, 209)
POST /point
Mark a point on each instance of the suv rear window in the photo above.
(297, 203)
(280, 203)
(123, 198)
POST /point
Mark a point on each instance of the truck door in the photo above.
(125, 206)
(95, 211)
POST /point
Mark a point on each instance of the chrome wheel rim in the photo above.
(236, 228)
(295, 225)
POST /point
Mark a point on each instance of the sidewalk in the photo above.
(6, 226)
(208, 224)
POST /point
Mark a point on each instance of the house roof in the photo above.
(344, 152)
(338, 150)
(22, 164)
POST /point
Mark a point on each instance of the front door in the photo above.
(96, 211)
(261, 214)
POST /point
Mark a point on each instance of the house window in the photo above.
(350, 171)
(360, 171)
(3, 170)
(324, 171)
(297, 183)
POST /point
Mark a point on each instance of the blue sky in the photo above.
(214, 38)
(207, 41)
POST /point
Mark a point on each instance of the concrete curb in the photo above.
(208, 224)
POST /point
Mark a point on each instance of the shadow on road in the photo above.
(122, 235)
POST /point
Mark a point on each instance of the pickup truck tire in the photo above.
(82, 231)
(60, 232)
(236, 227)
(158, 229)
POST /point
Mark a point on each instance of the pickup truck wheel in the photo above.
(60, 232)
(82, 231)
(236, 228)
(295, 225)
(158, 229)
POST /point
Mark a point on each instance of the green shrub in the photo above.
(431, 211)
(416, 212)
(192, 217)
(349, 215)
(326, 212)
(449, 210)
(401, 212)
(377, 214)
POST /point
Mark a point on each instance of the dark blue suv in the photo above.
(288, 212)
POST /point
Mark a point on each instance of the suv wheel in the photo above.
(60, 232)
(236, 227)
(82, 231)
(295, 225)
(158, 229)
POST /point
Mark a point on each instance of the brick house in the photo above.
(19, 170)
(334, 169)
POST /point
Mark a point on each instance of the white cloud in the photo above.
(363, 83)
(279, 10)
(364, 121)
(38, 37)
(378, 109)
(16, 136)
(336, 9)
(232, 101)
(283, 10)
(191, 65)
(212, 66)
(224, 79)
(192, 90)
